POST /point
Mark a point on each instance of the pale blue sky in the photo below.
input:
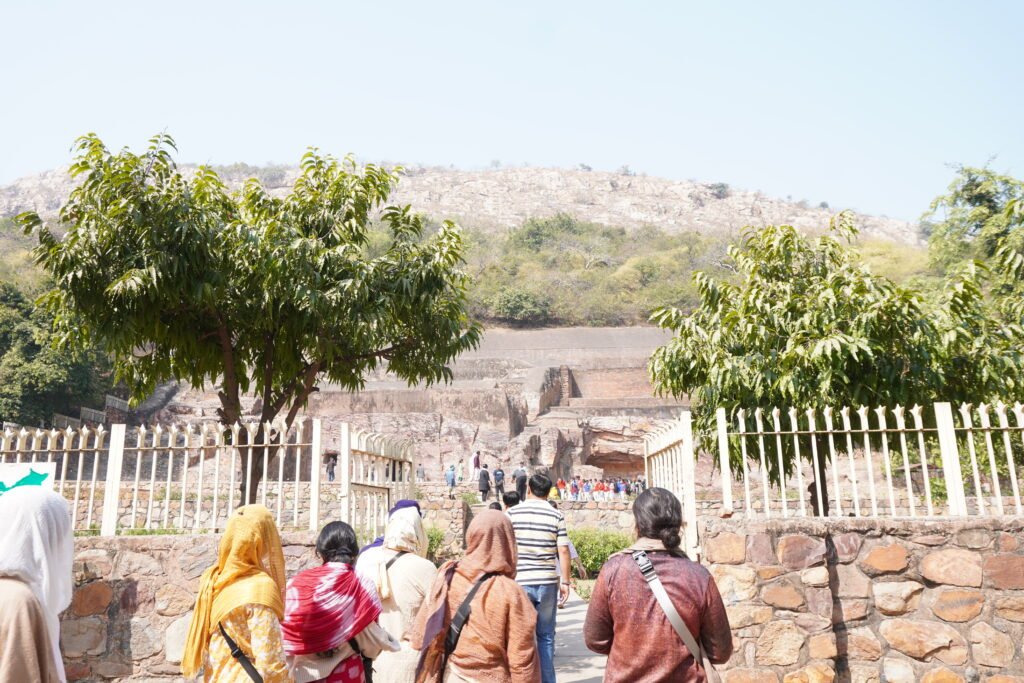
(862, 104)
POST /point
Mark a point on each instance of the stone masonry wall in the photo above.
(871, 600)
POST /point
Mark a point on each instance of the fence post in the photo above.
(723, 459)
(345, 461)
(314, 477)
(689, 487)
(112, 487)
(950, 460)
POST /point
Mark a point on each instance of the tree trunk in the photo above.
(813, 490)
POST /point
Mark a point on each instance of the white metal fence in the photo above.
(868, 462)
(188, 478)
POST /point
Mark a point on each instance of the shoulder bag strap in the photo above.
(647, 569)
(395, 559)
(243, 659)
(451, 639)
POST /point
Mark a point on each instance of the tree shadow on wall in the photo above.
(839, 627)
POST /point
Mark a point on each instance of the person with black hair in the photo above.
(485, 484)
(510, 499)
(638, 634)
(541, 538)
(494, 506)
(520, 475)
(330, 627)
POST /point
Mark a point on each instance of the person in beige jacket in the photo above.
(403, 576)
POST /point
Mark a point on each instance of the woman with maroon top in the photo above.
(626, 622)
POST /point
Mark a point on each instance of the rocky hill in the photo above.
(504, 197)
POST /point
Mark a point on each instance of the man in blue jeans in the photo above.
(541, 538)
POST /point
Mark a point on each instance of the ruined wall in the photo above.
(856, 600)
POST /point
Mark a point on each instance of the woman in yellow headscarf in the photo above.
(243, 595)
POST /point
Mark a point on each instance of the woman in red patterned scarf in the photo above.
(330, 623)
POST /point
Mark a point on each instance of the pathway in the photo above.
(574, 663)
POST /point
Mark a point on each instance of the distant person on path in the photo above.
(510, 499)
(560, 485)
(521, 476)
(243, 593)
(403, 577)
(449, 479)
(330, 628)
(638, 638)
(35, 583)
(497, 642)
(499, 482)
(476, 464)
(332, 462)
(543, 567)
(421, 474)
(484, 484)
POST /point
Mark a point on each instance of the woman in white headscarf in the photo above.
(403, 576)
(36, 554)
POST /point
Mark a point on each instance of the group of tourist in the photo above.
(386, 613)
(600, 490)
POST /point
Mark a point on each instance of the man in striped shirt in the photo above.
(541, 538)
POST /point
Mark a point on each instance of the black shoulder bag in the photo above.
(243, 659)
(451, 639)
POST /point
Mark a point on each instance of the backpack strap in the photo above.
(241, 657)
(451, 639)
(395, 559)
(651, 576)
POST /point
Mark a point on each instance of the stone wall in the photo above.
(856, 600)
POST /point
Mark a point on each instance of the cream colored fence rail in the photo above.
(929, 461)
(188, 478)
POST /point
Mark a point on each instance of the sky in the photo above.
(866, 105)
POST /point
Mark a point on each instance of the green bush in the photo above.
(435, 540)
(595, 546)
(521, 306)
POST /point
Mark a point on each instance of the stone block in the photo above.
(859, 673)
(80, 637)
(822, 646)
(769, 573)
(92, 564)
(847, 546)
(175, 637)
(990, 646)
(759, 550)
(800, 552)
(897, 597)
(975, 539)
(812, 623)
(735, 583)
(898, 671)
(172, 600)
(92, 598)
(742, 616)
(1006, 543)
(144, 638)
(952, 566)
(958, 605)
(132, 565)
(815, 576)
(814, 672)
(782, 595)
(819, 601)
(196, 559)
(1002, 678)
(749, 676)
(930, 539)
(779, 644)
(1005, 572)
(852, 582)
(886, 559)
(925, 640)
(942, 675)
(861, 643)
(1011, 608)
(849, 609)
(726, 548)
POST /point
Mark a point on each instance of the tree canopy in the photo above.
(176, 278)
(807, 324)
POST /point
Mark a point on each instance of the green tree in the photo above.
(176, 278)
(808, 325)
(974, 218)
(37, 380)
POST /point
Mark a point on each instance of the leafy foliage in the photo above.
(435, 542)
(807, 324)
(36, 380)
(595, 546)
(176, 278)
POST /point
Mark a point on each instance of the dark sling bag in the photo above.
(243, 659)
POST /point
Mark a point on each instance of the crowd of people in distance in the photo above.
(384, 612)
(600, 490)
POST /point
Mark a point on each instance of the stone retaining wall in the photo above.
(856, 600)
